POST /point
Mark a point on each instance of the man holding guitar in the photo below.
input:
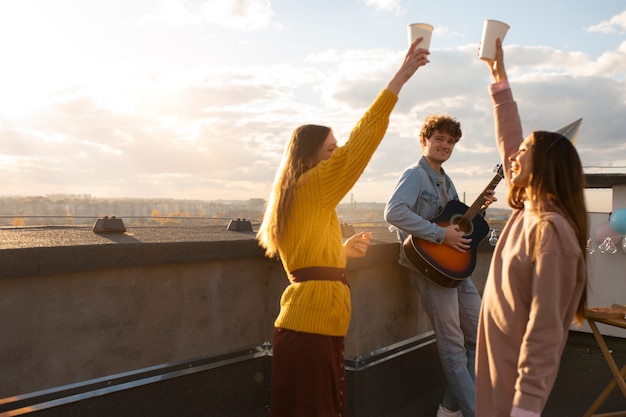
(421, 194)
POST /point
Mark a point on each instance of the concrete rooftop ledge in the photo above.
(58, 236)
(604, 180)
(32, 251)
(46, 250)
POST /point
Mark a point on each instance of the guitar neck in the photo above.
(478, 203)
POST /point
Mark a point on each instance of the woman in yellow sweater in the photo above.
(301, 226)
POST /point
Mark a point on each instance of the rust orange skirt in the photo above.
(308, 375)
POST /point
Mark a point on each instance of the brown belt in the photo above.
(319, 273)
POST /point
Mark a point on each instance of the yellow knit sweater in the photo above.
(312, 236)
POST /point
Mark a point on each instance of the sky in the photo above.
(193, 99)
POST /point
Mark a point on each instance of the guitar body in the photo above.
(440, 263)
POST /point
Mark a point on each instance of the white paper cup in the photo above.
(492, 30)
(417, 30)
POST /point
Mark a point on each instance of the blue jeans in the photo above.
(453, 313)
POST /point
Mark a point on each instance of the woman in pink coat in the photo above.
(537, 279)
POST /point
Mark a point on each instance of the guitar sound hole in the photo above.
(467, 228)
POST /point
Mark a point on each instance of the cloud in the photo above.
(449, 32)
(216, 127)
(235, 14)
(223, 132)
(617, 24)
(553, 87)
(394, 6)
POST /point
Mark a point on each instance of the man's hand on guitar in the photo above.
(454, 238)
(490, 197)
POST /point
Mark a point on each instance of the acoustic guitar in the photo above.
(442, 264)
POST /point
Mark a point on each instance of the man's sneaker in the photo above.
(444, 412)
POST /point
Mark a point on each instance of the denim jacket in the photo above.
(417, 198)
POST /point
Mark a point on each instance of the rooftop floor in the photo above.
(583, 375)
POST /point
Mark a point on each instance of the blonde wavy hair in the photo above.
(305, 141)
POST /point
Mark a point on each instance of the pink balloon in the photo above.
(604, 230)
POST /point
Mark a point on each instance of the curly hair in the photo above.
(442, 123)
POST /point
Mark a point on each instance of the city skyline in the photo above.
(196, 99)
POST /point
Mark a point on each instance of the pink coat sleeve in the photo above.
(508, 127)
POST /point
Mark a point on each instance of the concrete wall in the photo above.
(619, 197)
(385, 308)
(63, 328)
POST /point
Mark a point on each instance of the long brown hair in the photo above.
(557, 182)
(305, 141)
